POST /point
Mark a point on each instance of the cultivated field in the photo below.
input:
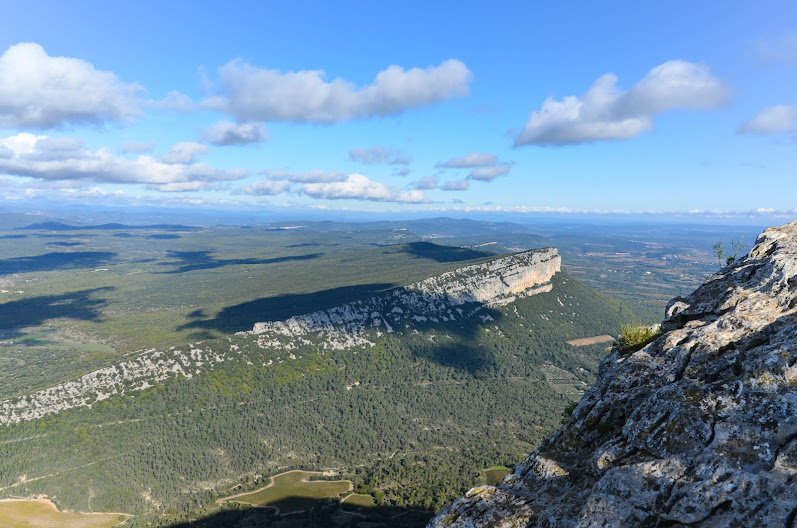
(293, 492)
(44, 514)
(494, 475)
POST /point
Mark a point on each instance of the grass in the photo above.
(634, 337)
(36, 514)
(494, 475)
(359, 500)
(292, 492)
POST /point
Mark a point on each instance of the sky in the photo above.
(441, 107)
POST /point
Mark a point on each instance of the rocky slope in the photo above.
(462, 293)
(698, 428)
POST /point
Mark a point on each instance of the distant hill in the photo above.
(59, 226)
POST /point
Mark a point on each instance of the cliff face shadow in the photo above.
(55, 261)
(320, 513)
(241, 317)
(455, 343)
(427, 250)
(201, 260)
(83, 305)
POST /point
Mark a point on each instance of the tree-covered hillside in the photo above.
(412, 420)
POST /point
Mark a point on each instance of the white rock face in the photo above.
(455, 294)
(441, 298)
(698, 428)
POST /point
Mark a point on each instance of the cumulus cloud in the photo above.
(136, 147)
(65, 159)
(359, 187)
(226, 133)
(605, 113)
(185, 152)
(456, 185)
(489, 173)
(474, 159)
(190, 186)
(486, 167)
(378, 154)
(249, 93)
(40, 91)
(427, 183)
(772, 120)
(267, 187)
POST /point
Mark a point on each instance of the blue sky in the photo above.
(405, 107)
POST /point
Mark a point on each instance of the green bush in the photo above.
(634, 337)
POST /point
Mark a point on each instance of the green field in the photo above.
(359, 500)
(494, 475)
(293, 492)
(43, 514)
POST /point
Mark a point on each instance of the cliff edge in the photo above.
(698, 428)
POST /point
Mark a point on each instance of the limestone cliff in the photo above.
(698, 428)
(452, 295)
(463, 293)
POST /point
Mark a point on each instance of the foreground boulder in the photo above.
(698, 428)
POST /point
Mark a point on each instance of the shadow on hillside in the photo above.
(81, 235)
(200, 260)
(63, 244)
(427, 250)
(322, 513)
(55, 261)
(242, 317)
(455, 344)
(13, 236)
(83, 305)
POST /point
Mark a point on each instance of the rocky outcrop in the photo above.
(698, 428)
(453, 295)
(462, 293)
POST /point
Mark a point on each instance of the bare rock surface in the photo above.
(698, 428)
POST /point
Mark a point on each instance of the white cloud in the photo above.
(359, 187)
(456, 185)
(317, 176)
(57, 159)
(489, 173)
(267, 187)
(427, 183)
(190, 186)
(226, 133)
(486, 167)
(137, 147)
(249, 93)
(185, 152)
(604, 113)
(772, 120)
(41, 91)
(474, 159)
(378, 154)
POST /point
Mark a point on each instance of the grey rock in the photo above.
(698, 428)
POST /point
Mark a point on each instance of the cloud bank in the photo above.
(249, 93)
(39, 91)
(359, 187)
(65, 159)
(605, 113)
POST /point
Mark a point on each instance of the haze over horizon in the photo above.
(413, 109)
